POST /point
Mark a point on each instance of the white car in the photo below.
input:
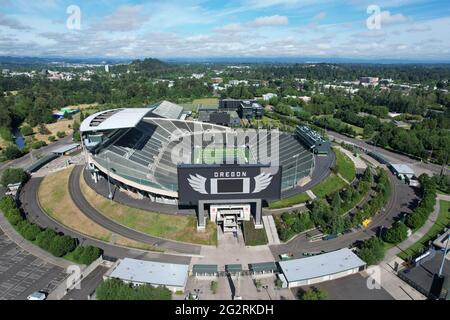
(37, 295)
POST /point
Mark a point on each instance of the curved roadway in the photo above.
(34, 213)
(93, 214)
(403, 199)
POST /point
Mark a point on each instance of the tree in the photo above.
(45, 238)
(13, 175)
(86, 255)
(214, 286)
(51, 138)
(313, 294)
(43, 129)
(61, 245)
(396, 234)
(12, 152)
(115, 289)
(29, 231)
(372, 251)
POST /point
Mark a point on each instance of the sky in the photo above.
(363, 29)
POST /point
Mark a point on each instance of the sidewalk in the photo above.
(31, 248)
(416, 236)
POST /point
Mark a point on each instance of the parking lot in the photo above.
(22, 273)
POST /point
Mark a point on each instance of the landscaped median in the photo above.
(333, 183)
(442, 222)
(172, 227)
(55, 200)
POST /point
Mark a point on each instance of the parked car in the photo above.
(37, 295)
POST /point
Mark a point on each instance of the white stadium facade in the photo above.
(156, 153)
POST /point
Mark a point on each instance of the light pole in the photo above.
(109, 184)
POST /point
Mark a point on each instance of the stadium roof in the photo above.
(320, 265)
(168, 110)
(114, 119)
(66, 148)
(150, 272)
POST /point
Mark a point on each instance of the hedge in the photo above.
(47, 239)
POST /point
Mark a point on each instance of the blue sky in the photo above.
(407, 29)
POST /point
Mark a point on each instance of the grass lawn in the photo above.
(359, 131)
(345, 165)
(442, 221)
(332, 184)
(252, 236)
(174, 227)
(289, 202)
(205, 102)
(55, 200)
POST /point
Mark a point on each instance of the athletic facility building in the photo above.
(218, 170)
(320, 268)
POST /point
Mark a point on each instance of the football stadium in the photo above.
(226, 173)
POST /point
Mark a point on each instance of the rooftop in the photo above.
(156, 273)
(168, 110)
(114, 119)
(320, 265)
(403, 169)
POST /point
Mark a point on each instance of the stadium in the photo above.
(156, 153)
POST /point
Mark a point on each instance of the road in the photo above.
(93, 214)
(403, 199)
(421, 167)
(34, 213)
(31, 157)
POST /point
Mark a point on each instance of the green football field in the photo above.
(217, 155)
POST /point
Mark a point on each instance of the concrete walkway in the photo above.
(359, 163)
(311, 195)
(399, 289)
(416, 236)
(11, 233)
(271, 230)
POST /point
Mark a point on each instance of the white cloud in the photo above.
(125, 18)
(275, 20)
(388, 19)
(7, 21)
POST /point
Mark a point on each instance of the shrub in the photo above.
(77, 136)
(60, 134)
(43, 129)
(6, 134)
(7, 203)
(86, 255)
(61, 245)
(52, 138)
(30, 231)
(214, 286)
(12, 152)
(38, 144)
(26, 130)
(14, 216)
(13, 175)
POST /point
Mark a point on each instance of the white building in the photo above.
(107, 68)
(139, 272)
(403, 171)
(268, 96)
(320, 268)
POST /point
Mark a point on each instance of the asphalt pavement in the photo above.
(93, 214)
(34, 213)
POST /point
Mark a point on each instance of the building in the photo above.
(247, 109)
(67, 149)
(224, 118)
(313, 140)
(403, 171)
(134, 147)
(268, 96)
(217, 80)
(320, 268)
(369, 80)
(139, 272)
(106, 68)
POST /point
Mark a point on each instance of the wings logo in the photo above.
(198, 182)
